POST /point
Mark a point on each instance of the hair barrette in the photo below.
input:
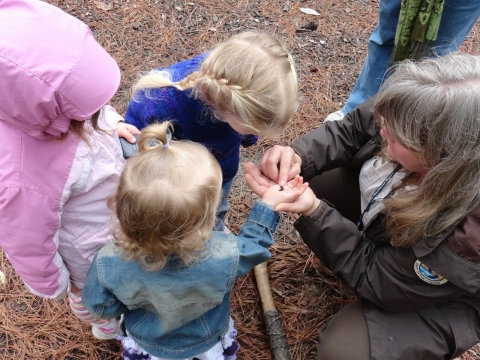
(169, 138)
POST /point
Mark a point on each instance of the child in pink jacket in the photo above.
(56, 169)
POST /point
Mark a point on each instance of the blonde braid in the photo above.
(219, 93)
(251, 78)
(162, 78)
(188, 82)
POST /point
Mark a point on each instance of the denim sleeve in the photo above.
(256, 236)
(97, 298)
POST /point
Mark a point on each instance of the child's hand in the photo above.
(289, 193)
(126, 131)
(305, 204)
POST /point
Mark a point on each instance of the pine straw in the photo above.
(144, 34)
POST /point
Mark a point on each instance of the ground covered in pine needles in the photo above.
(329, 50)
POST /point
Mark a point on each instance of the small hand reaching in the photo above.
(127, 131)
(302, 202)
(305, 204)
(290, 192)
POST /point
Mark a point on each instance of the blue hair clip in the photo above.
(169, 138)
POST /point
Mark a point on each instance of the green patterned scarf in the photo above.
(417, 28)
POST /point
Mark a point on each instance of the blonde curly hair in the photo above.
(166, 200)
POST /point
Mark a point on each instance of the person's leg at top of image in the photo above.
(458, 19)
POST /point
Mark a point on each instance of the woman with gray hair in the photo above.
(399, 215)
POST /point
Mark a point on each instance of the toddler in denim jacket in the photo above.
(167, 272)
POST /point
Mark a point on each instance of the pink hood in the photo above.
(51, 69)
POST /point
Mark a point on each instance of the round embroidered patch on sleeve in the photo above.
(428, 275)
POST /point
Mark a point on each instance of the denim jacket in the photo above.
(179, 311)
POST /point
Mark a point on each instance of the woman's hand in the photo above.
(256, 181)
(280, 164)
(127, 131)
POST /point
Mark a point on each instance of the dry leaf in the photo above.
(309, 11)
(103, 6)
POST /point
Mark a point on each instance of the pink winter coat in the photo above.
(53, 212)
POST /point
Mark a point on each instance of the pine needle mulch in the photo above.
(144, 34)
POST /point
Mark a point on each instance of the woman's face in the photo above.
(402, 155)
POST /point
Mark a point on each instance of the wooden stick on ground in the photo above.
(278, 340)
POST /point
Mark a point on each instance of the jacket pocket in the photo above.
(376, 232)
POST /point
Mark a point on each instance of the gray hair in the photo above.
(433, 109)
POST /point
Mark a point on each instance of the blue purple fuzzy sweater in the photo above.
(192, 119)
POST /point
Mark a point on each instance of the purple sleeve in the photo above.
(249, 140)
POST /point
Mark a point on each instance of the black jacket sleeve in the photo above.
(384, 275)
(375, 270)
(345, 143)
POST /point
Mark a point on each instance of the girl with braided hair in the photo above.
(246, 86)
(175, 300)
